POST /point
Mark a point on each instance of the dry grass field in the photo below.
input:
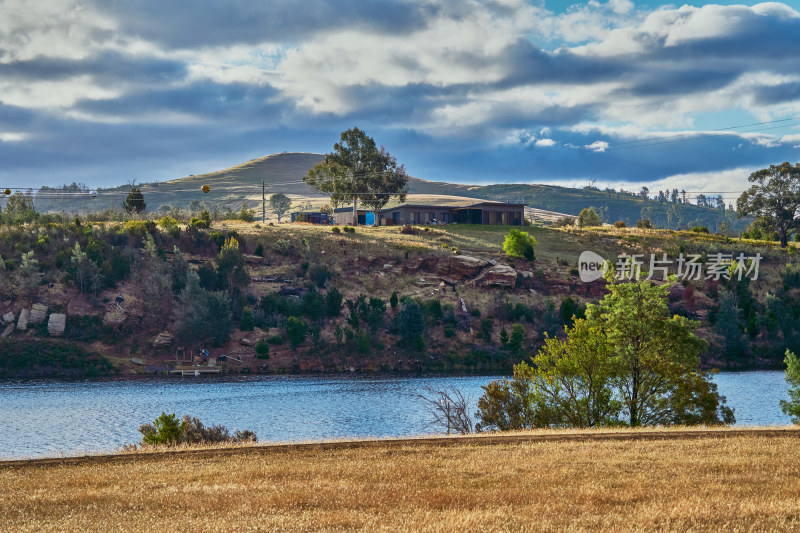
(668, 481)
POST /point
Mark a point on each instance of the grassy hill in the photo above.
(242, 185)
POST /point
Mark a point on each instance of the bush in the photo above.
(588, 217)
(296, 330)
(619, 224)
(393, 300)
(519, 243)
(408, 229)
(700, 229)
(644, 224)
(282, 246)
(319, 274)
(336, 229)
(449, 331)
(247, 321)
(563, 222)
(259, 250)
(276, 339)
(262, 349)
(168, 430)
(348, 229)
(333, 302)
(475, 312)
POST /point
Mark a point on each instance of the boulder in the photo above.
(162, 340)
(500, 276)
(38, 314)
(24, 318)
(57, 324)
(9, 317)
(8, 331)
(464, 266)
(246, 342)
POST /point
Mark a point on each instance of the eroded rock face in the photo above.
(57, 324)
(9, 317)
(8, 331)
(500, 276)
(24, 319)
(162, 340)
(246, 341)
(455, 266)
(38, 313)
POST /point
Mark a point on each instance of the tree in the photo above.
(448, 408)
(792, 373)
(166, 429)
(19, 209)
(280, 204)
(358, 170)
(519, 243)
(134, 202)
(588, 217)
(628, 362)
(774, 199)
(296, 330)
(656, 357)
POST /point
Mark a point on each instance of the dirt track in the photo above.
(479, 440)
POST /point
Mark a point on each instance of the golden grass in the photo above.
(738, 481)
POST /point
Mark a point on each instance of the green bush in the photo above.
(519, 243)
(167, 430)
(700, 229)
(644, 224)
(296, 330)
(336, 229)
(262, 349)
(247, 322)
(619, 224)
(588, 217)
(276, 339)
(282, 247)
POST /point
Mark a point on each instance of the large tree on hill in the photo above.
(774, 198)
(358, 170)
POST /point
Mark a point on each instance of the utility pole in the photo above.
(263, 203)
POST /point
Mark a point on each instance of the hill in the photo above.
(241, 185)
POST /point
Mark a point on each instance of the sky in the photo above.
(615, 93)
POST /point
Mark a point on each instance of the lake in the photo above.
(51, 418)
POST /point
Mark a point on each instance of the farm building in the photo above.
(487, 213)
(314, 217)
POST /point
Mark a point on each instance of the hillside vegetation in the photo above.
(283, 173)
(301, 298)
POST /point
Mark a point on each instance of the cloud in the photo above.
(478, 86)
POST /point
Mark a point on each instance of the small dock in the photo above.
(191, 370)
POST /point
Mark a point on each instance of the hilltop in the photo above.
(241, 185)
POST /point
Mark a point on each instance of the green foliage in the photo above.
(519, 243)
(700, 229)
(588, 217)
(202, 315)
(296, 330)
(203, 222)
(319, 274)
(262, 349)
(165, 430)
(282, 246)
(333, 302)
(336, 229)
(628, 362)
(503, 336)
(517, 337)
(571, 309)
(357, 169)
(280, 204)
(505, 405)
(22, 358)
(792, 373)
(169, 226)
(644, 224)
(774, 198)
(409, 321)
(393, 300)
(19, 209)
(134, 202)
(619, 224)
(247, 321)
(245, 214)
(487, 326)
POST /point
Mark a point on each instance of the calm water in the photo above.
(48, 418)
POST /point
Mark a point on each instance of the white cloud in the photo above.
(13, 137)
(545, 143)
(597, 146)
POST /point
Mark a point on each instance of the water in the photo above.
(49, 418)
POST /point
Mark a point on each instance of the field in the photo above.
(608, 481)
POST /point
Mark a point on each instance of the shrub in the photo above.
(282, 246)
(348, 229)
(169, 226)
(319, 274)
(296, 330)
(393, 300)
(247, 321)
(336, 229)
(619, 224)
(276, 339)
(519, 243)
(408, 229)
(644, 224)
(168, 430)
(449, 331)
(259, 250)
(333, 302)
(165, 430)
(262, 349)
(588, 217)
(487, 325)
(564, 222)
(700, 229)
(475, 312)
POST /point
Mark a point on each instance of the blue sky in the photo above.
(693, 96)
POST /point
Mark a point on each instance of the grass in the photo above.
(724, 480)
